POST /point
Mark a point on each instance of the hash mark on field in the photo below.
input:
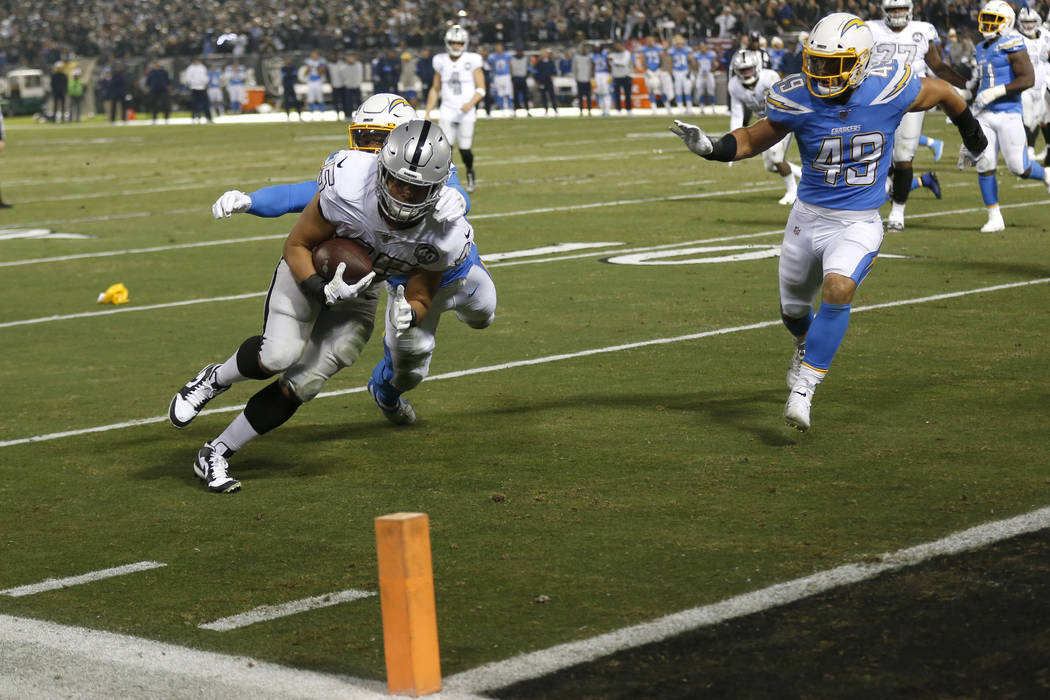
(272, 612)
(52, 584)
(539, 360)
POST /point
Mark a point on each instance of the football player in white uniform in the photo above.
(748, 84)
(1033, 102)
(898, 36)
(459, 81)
(312, 328)
(467, 290)
(843, 111)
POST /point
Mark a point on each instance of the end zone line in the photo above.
(540, 663)
(538, 360)
(272, 612)
(53, 584)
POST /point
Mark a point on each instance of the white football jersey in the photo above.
(457, 77)
(1037, 52)
(348, 199)
(910, 45)
(751, 98)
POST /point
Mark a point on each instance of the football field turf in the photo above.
(611, 451)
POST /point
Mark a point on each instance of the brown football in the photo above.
(329, 254)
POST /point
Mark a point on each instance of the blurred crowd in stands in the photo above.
(38, 34)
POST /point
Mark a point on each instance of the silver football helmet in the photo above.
(456, 35)
(745, 66)
(896, 13)
(414, 164)
(376, 118)
(1028, 21)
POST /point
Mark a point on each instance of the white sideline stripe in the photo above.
(536, 664)
(272, 612)
(535, 361)
(132, 251)
(150, 307)
(53, 584)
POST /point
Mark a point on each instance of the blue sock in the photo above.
(989, 189)
(915, 184)
(923, 140)
(826, 334)
(382, 373)
(1037, 172)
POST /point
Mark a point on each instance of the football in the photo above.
(329, 254)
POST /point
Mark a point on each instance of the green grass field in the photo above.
(623, 485)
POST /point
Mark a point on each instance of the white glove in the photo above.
(337, 290)
(398, 312)
(450, 205)
(232, 202)
(695, 138)
(988, 95)
(966, 159)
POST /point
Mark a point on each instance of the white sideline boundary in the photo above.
(46, 660)
(536, 664)
(536, 361)
(272, 612)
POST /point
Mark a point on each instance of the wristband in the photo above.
(724, 149)
(313, 288)
(415, 319)
(480, 91)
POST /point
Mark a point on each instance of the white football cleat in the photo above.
(193, 397)
(788, 198)
(213, 469)
(796, 365)
(995, 223)
(796, 410)
(894, 223)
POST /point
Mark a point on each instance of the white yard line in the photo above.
(536, 664)
(110, 312)
(539, 360)
(53, 584)
(273, 612)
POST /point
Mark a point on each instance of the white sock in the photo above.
(789, 183)
(795, 170)
(237, 434)
(228, 373)
(897, 210)
(809, 377)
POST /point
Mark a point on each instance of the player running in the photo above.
(468, 289)
(748, 84)
(844, 111)
(898, 36)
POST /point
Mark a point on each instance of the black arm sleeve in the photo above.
(970, 129)
(724, 149)
(313, 287)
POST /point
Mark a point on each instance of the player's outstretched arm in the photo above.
(736, 145)
(935, 92)
(420, 289)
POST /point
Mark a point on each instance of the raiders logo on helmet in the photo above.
(426, 254)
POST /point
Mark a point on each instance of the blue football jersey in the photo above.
(680, 58)
(845, 147)
(651, 54)
(601, 62)
(500, 63)
(993, 65)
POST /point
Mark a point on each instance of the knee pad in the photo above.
(276, 356)
(270, 408)
(249, 359)
(475, 322)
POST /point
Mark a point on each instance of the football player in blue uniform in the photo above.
(843, 112)
(1004, 70)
